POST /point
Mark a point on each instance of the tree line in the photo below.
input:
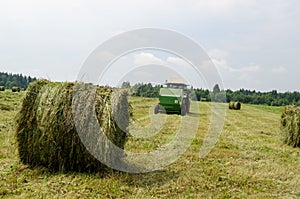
(271, 98)
(9, 80)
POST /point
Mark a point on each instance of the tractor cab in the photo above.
(173, 98)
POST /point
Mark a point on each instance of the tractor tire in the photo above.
(156, 109)
(183, 110)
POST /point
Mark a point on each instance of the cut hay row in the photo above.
(46, 132)
(234, 105)
(2, 88)
(290, 126)
(15, 89)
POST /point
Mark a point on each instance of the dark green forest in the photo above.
(9, 80)
(271, 98)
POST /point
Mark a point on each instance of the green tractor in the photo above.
(173, 98)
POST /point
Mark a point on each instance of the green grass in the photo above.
(249, 161)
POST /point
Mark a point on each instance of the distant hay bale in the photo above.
(46, 132)
(290, 126)
(231, 105)
(234, 105)
(203, 99)
(237, 105)
(15, 89)
(2, 88)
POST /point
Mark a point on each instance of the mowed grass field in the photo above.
(248, 161)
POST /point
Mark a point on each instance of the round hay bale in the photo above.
(234, 105)
(203, 99)
(290, 126)
(15, 89)
(237, 106)
(2, 88)
(46, 133)
(231, 105)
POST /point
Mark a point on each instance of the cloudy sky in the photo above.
(254, 44)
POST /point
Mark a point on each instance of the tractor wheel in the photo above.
(156, 109)
(183, 110)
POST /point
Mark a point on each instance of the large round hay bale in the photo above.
(15, 89)
(46, 133)
(234, 105)
(290, 126)
(2, 88)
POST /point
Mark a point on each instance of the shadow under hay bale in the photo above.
(234, 105)
(290, 126)
(47, 135)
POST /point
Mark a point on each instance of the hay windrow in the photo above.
(290, 126)
(46, 133)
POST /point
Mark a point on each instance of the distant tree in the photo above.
(126, 85)
(145, 90)
(9, 80)
(272, 98)
(193, 96)
(216, 89)
(217, 95)
(201, 93)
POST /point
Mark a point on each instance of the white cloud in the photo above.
(279, 69)
(218, 6)
(177, 61)
(146, 59)
(217, 53)
(219, 58)
(222, 64)
(255, 68)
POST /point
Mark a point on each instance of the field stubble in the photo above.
(249, 160)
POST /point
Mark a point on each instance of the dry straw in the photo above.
(46, 132)
(290, 126)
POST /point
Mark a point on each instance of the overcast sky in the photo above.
(254, 44)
